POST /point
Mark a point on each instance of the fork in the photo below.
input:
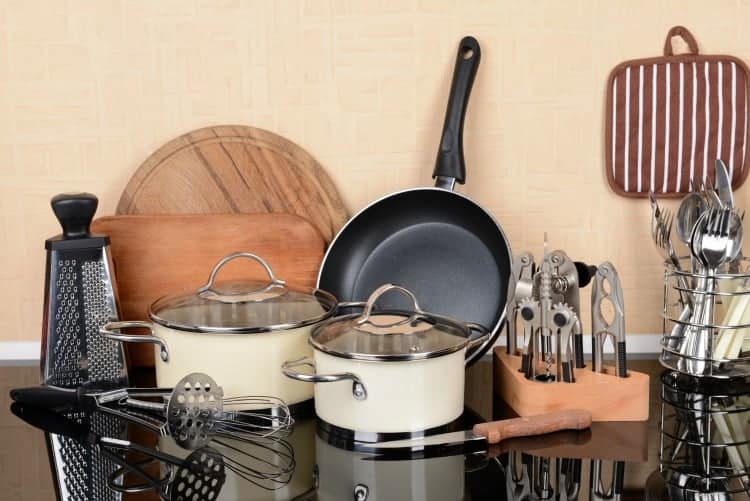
(661, 232)
(717, 239)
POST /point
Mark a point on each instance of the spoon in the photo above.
(716, 240)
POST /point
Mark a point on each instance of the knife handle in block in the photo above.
(496, 431)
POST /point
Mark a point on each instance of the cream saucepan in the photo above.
(238, 332)
(389, 371)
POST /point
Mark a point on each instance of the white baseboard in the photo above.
(19, 352)
(27, 352)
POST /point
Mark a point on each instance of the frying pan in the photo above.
(445, 248)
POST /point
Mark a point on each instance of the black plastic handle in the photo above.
(52, 422)
(586, 273)
(622, 360)
(450, 159)
(48, 397)
(75, 211)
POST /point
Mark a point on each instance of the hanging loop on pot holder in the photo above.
(415, 317)
(358, 388)
(108, 331)
(684, 33)
(207, 291)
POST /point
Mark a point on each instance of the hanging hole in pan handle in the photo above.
(417, 312)
(108, 331)
(207, 291)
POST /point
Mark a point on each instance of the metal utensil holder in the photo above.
(704, 322)
(703, 428)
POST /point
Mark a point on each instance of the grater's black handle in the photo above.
(52, 422)
(75, 211)
(49, 397)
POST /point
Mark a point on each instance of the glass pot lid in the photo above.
(392, 335)
(243, 306)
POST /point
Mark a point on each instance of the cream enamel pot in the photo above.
(389, 372)
(238, 332)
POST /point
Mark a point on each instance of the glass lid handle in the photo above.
(207, 291)
(377, 293)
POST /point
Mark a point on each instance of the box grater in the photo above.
(80, 297)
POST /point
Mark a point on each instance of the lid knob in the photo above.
(75, 211)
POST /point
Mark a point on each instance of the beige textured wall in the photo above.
(89, 88)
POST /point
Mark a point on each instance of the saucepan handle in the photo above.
(111, 331)
(288, 368)
(365, 317)
(207, 291)
(477, 342)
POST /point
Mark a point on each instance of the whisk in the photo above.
(199, 477)
(192, 413)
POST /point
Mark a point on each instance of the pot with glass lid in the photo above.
(398, 371)
(239, 332)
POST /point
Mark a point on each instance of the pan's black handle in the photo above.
(48, 397)
(52, 422)
(450, 159)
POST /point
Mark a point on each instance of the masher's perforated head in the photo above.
(194, 409)
(200, 477)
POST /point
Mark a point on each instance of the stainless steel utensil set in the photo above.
(547, 303)
(705, 282)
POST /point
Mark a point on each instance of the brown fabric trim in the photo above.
(742, 137)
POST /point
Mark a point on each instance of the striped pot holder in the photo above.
(669, 118)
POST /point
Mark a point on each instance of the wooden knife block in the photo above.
(607, 397)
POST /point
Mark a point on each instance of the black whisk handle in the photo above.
(48, 397)
(52, 422)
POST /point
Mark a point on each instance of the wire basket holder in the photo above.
(706, 327)
(704, 446)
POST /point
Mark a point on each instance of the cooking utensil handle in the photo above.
(477, 342)
(496, 431)
(365, 316)
(207, 289)
(108, 331)
(75, 211)
(48, 397)
(450, 166)
(52, 422)
(358, 388)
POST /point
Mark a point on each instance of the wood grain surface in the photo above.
(540, 424)
(606, 396)
(234, 169)
(159, 255)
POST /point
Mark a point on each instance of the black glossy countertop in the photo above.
(609, 461)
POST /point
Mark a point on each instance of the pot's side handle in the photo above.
(358, 388)
(477, 342)
(108, 331)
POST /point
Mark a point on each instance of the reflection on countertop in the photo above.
(561, 464)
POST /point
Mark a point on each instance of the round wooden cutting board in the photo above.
(234, 169)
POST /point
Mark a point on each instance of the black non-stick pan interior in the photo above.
(438, 244)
